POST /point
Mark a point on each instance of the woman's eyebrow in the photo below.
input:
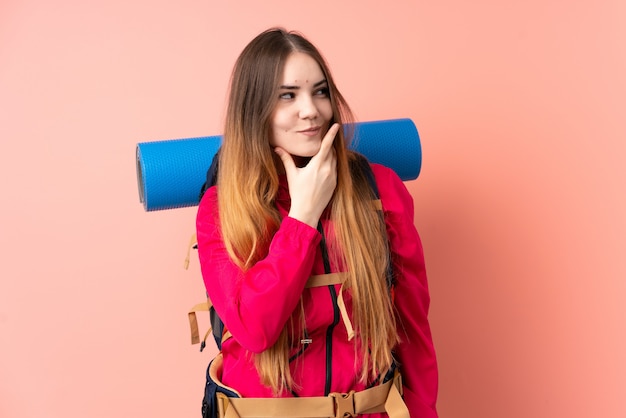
(291, 87)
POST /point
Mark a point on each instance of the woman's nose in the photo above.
(308, 109)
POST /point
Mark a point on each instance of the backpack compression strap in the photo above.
(314, 281)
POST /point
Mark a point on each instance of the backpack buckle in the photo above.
(344, 404)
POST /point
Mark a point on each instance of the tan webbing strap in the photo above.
(192, 242)
(320, 280)
(223, 405)
(344, 314)
(381, 398)
(332, 279)
(314, 407)
(394, 405)
(193, 320)
(215, 372)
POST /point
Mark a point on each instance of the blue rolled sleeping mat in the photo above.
(171, 173)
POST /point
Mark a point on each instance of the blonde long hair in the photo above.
(248, 183)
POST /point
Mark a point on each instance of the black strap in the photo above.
(211, 175)
(362, 164)
(324, 248)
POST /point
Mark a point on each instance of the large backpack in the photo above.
(359, 167)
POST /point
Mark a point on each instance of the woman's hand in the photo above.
(311, 187)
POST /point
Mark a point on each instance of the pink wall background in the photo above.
(520, 204)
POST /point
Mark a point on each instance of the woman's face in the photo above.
(303, 111)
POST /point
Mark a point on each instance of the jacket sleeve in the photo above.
(415, 352)
(256, 304)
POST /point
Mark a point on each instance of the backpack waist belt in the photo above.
(386, 397)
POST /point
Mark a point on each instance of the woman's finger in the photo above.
(327, 141)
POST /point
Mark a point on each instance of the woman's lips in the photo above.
(310, 131)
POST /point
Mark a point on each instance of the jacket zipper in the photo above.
(329, 340)
(333, 297)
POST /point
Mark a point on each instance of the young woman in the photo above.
(322, 295)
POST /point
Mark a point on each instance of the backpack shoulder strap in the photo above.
(211, 175)
(361, 164)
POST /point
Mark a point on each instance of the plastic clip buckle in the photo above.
(344, 404)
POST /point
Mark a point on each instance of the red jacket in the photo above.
(256, 305)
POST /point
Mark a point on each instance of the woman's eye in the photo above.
(322, 92)
(286, 96)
